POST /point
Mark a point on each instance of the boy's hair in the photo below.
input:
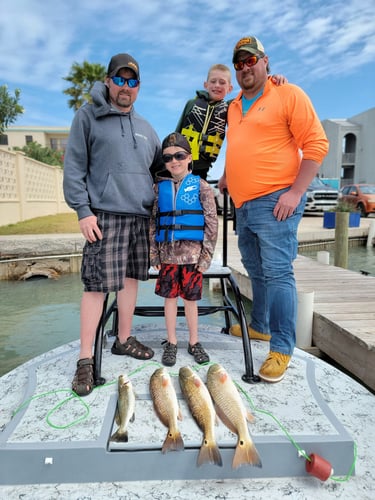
(220, 67)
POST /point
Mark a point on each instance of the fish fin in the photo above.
(197, 382)
(250, 417)
(246, 453)
(120, 437)
(173, 442)
(226, 421)
(132, 418)
(117, 416)
(179, 416)
(209, 453)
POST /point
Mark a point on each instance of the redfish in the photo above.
(202, 409)
(167, 408)
(125, 411)
(232, 412)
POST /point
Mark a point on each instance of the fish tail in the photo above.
(120, 436)
(209, 453)
(246, 453)
(173, 442)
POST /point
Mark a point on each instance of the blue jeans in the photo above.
(268, 248)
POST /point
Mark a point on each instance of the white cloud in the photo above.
(176, 41)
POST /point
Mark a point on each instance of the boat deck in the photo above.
(314, 410)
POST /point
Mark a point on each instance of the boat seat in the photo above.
(231, 306)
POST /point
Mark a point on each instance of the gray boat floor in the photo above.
(56, 446)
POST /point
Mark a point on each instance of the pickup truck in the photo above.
(320, 196)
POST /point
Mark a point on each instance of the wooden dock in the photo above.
(344, 306)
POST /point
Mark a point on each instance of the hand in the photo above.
(279, 79)
(156, 268)
(286, 205)
(222, 184)
(90, 229)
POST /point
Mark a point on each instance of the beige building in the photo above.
(51, 137)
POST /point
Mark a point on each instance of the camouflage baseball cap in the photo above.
(176, 139)
(249, 44)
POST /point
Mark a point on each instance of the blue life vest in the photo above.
(180, 214)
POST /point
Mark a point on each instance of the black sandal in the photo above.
(169, 354)
(83, 381)
(132, 348)
(200, 355)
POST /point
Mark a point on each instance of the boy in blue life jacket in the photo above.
(183, 234)
(203, 120)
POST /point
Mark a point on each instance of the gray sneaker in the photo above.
(169, 354)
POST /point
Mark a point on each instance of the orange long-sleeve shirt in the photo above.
(265, 147)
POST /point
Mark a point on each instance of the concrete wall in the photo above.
(28, 188)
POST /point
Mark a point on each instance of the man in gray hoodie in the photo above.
(110, 160)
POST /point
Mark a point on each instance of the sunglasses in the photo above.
(180, 155)
(120, 81)
(249, 61)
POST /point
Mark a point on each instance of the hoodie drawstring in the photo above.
(131, 128)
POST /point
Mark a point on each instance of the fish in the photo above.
(125, 410)
(166, 406)
(232, 412)
(202, 409)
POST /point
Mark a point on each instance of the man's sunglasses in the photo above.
(179, 156)
(249, 61)
(120, 81)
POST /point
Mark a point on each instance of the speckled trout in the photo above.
(125, 409)
(232, 412)
(167, 408)
(202, 409)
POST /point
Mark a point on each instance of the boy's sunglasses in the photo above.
(180, 155)
(249, 61)
(120, 81)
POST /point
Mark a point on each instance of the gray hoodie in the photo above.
(110, 160)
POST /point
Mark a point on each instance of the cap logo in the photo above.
(244, 41)
(133, 66)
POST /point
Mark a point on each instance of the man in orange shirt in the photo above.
(275, 146)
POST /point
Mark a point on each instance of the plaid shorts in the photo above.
(179, 281)
(122, 253)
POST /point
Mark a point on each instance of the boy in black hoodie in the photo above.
(204, 118)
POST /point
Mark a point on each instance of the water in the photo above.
(39, 315)
(360, 259)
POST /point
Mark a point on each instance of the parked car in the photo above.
(321, 197)
(362, 196)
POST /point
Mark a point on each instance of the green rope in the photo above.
(301, 452)
(74, 396)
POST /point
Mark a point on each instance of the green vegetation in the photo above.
(46, 155)
(50, 224)
(344, 206)
(82, 77)
(9, 107)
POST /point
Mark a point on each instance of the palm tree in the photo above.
(83, 76)
(9, 107)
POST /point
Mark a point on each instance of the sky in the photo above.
(327, 47)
